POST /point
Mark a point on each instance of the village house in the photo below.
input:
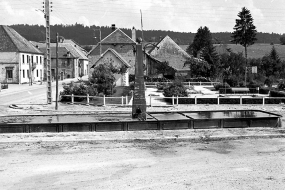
(167, 51)
(119, 47)
(79, 59)
(66, 63)
(110, 56)
(20, 61)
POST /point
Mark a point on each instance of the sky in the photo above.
(173, 15)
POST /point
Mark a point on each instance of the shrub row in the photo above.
(274, 93)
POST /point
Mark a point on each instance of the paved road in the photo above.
(28, 95)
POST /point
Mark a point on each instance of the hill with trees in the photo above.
(84, 35)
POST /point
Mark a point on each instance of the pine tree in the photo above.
(244, 32)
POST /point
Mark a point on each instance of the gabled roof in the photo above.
(62, 52)
(75, 44)
(12, 41)
(116, 54)
(70, 47)
(166, 50)
(117, 37)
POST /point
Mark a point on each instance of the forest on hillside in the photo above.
(85, 35)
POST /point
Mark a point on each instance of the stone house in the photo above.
(166, 50)
(66, 63)
(120, 47)
(20, 61)
(110, 56)
(80, 62)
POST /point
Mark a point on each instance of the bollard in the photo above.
(104, 101)
(72, 98)
(122, 100)
(87, 104)
(150, 100)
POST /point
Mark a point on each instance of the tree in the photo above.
(244, 32)
(202, 47)
(282, 40)
(163, 68)
(103, 79)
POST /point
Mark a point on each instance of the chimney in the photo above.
(134, 34)
(113, 27)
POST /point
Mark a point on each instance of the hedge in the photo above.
(274, 93)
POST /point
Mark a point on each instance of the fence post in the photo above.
(195, 99)
(72, 99)
(150, 100)
(87, 100)
(263, 101)
(177, 100)
(189, 84)
(173, 100)
(104, 101)
(240, 100)
(122, 100)
(127, 100)
(218, 100)
(200, 83)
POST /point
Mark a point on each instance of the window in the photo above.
(32, 59)
(37, 73)
(23, 58)
(28, 73)
(9, 72)
(23, 73)
(28, 59)
(41, 72)
(40, 60)
(37, 59)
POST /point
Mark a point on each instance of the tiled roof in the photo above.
(62, 52)
(116, 54)
(12, 41)
(70, 47)
(70, 41)
(118, 37)
(168, 51)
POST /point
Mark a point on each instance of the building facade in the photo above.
(20, 61)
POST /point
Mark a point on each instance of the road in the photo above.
(31, 95)
(236, 164)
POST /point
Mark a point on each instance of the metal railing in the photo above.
(123, 100)
(185, 83)
(175, 100)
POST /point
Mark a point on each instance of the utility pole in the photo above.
(56, 74)
(99, 41)
(48, 56)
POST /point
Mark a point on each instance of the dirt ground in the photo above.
(235, 164)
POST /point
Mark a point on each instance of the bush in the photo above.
(175, 88)
(77, 89)
(161, 85)
(264, 90)
(274, 93)
(221, 85)
(281, 85)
